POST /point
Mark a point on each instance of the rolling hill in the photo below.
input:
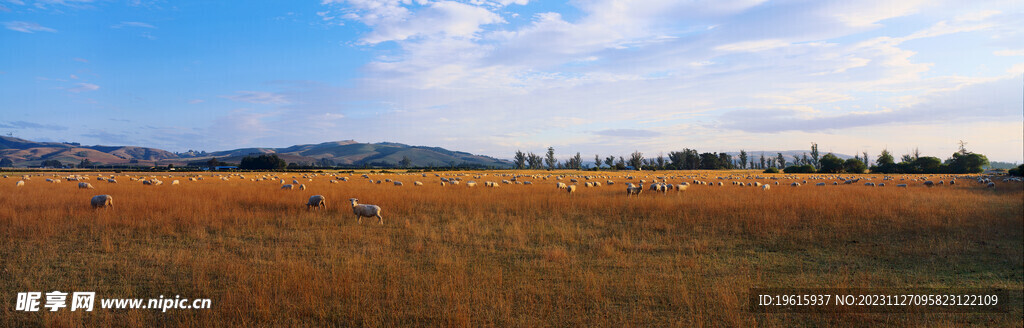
(26, 153)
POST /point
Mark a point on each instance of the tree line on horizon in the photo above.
(961, 162)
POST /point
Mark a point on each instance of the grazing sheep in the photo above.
(820, 184)
(571, 189)
(316, 201)
(560, 185)
(795, 184)
(682, 186)
(869, 184)
(286, 187)
(766, 187)
(929, 184)
(952, 182)
(111, 180)
(365, 210)
(102, 201)
(990, 185)
(302, 187)
(417, 183)
(147, 182)
(904, 185)
(469, 184)
(175, 183)
(398, 183)
(443, 184)
(20, 183)
(85, 185)
(631, 190)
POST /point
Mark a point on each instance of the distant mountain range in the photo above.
(25, 153)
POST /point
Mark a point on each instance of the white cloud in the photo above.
(27, 27)
(258, 97)
(866, 13)
(1010, 52)
(752, 46)
(132, 24)
(83, 87)
(443, 19)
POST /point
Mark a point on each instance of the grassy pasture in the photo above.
(515, 255)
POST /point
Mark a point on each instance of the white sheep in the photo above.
(286, 187)
(571, 189)
(102, 201)
(302, 187)
(469, 184)
(634, 190)
(990, 185)
(85, 185)
(795, 184)
(362, 210)
(398, 183)
(560, 185)
(766, 187)
(417, 183)
(19, 183)
(316, 201)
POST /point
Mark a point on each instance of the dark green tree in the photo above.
(830, 164)
(854, 166)
(520, 160)
(6, 162)
(550, 159)
(814, 156)
(636, 160)
(743, 159)
(263, 162)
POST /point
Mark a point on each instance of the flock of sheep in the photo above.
(564, 181)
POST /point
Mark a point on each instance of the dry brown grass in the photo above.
(516, 255)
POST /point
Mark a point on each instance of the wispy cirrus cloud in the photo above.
(83, 87)
(31, 125)
(27, 27)
(258, 97)
(132, 24)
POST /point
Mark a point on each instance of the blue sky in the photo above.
(490, 77)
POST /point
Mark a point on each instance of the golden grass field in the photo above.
(516, 255)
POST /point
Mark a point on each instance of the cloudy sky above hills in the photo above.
(490, 77)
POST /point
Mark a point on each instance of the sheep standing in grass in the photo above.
(102, 201)
(302, 187)
(362, 210)
(19, 183)
(929, 184)
(990, 185)
(634, 190)
(417, 183)
(316, 201)
(85, 185)
(766, 187)
(286, 187)
(571, 189)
